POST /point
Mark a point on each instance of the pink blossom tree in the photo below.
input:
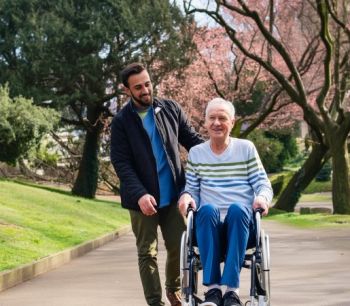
(219, 69)
(305, 46)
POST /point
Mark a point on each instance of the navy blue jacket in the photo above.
(132, 155)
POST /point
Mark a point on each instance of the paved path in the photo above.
(309, 267)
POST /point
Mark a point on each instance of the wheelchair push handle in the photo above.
(258, 214)
(259, 210)
(189, 209)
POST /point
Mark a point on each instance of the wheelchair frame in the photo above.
(257, 259)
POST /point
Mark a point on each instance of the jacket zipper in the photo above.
(165, 149)
(138, 119)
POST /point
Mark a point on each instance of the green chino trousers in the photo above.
(145, 229)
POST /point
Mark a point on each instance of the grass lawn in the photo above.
(315, 192)
(37, 221)
(315, 187)
(311, 220)
(316, 197)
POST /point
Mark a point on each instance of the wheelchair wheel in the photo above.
(184, 266)
(188, 277)
(263, 269)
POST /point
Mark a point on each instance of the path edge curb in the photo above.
(16, 276)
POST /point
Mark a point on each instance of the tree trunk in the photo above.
(301, 179)
(86, 182)
(340, 180)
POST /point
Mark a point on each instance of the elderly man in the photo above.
(225, 182)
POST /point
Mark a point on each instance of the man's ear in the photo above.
(127, 91)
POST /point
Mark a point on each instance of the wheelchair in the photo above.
(257, 259)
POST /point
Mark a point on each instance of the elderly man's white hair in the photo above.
(221, 102)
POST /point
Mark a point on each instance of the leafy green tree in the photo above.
(22, 125)
(69, 53)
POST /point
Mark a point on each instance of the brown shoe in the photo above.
(174, 298)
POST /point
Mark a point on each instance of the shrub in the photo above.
(22, 125)
(290, 147)
(325, 173)
(276, 148)
(46, 157)
(269, 151)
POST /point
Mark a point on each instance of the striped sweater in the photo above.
(234, 176)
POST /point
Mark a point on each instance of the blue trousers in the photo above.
(225, 240)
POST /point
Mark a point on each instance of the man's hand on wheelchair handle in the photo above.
(260, 202)
(185, 202)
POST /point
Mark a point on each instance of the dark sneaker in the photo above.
(212, 298)
(174, 298)
(231, 299)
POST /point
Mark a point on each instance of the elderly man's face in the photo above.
(218, 123)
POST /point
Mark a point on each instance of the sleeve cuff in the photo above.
(185, 191)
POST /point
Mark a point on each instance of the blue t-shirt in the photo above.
(165, 177)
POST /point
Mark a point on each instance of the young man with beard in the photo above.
(145, 140)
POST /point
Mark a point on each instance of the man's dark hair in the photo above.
(129, 70)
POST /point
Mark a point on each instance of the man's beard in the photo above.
(143, 103)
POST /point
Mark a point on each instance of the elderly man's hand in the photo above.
(185, 202)
(260, 202)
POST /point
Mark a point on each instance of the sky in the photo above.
(201, 18)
